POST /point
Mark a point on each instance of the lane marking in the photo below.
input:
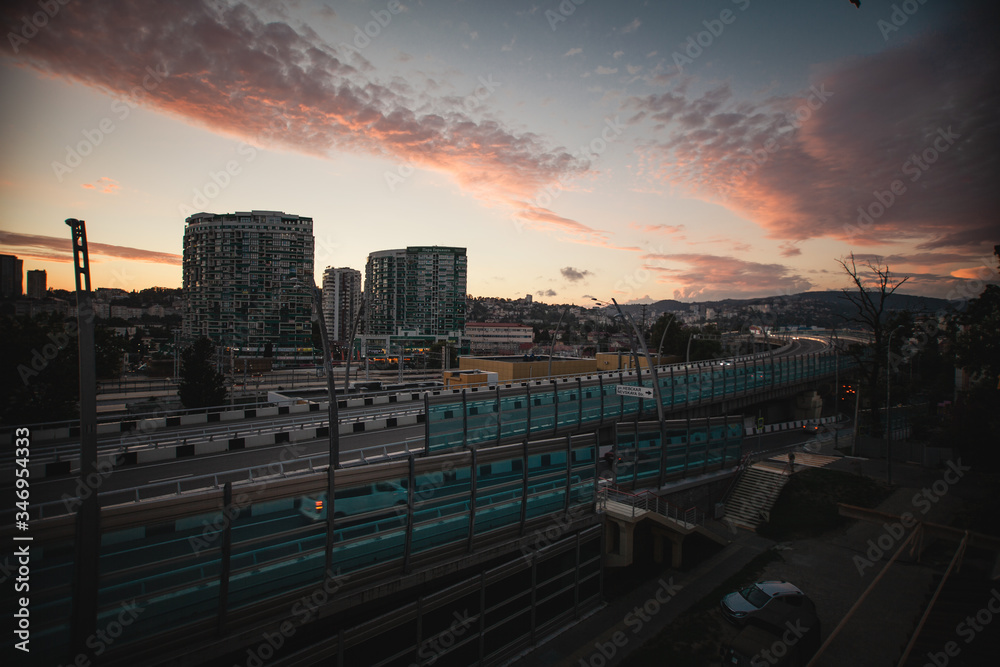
(170, 479)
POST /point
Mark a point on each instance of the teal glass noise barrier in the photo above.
(386, 517)
(693, 447)
(539, 409)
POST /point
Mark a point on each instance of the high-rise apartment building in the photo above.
(11, 272)
(248, 280)
(37, 284)
(419, 291)
(341, 300)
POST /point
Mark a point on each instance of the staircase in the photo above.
(754, 495)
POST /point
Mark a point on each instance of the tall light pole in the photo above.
(334, 424)
(888, 407)
(656, 391)
(552, 346)
(659, 350)
(632, 348)
(350, 352)
(177, 342)
(836, 386)
(88, 518)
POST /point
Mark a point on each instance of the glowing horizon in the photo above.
(645, 153)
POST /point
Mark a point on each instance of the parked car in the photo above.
(763, 599)
(355, 500)
(811, 427)
(785, 637)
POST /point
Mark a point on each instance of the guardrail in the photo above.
(651, 503)
(240, 476)
(174, 557)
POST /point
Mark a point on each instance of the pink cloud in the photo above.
(801, 166)
(671, 230)
(104, 185)
(713, 276)
(789, 249)
(225, 68)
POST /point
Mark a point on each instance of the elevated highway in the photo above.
(492, 514)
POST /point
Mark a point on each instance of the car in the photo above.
(783, 639)
(811, 427)
(764, 598)
(355, 500)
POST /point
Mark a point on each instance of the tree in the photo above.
(40, 379)
(109, 350)
(975, 427)
(873, 285)
(676, 340)
(977, 345)
(200, 384)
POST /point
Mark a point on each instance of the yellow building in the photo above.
(518, 368)
(462, 379)
(613, 361)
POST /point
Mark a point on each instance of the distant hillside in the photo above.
(833, 299)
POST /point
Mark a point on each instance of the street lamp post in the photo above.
(350, 352)
(888, 407)
(656, 388)
(659, 350)
(552, 346)
(836, 387)
(334, 425)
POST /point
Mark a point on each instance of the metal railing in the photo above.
(238, 476)
(651, 503)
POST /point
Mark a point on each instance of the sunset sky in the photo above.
(640, 150)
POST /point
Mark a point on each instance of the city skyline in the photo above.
(731, 150)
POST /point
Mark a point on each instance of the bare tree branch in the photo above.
(873, 285)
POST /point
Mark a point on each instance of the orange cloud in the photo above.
(713, 276)
(53, 249)
(104, 185)
(223, 67)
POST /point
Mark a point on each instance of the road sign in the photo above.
(629, 390)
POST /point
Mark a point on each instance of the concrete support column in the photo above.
(808, 405)
(626, 542)
(660, 538)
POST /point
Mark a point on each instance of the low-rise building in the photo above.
(498, 337)
(463, 379)
(517, 368)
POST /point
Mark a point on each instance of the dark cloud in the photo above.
(715, 276)
(789, 249)
(574, 275)
(546, 292)
(922, 114)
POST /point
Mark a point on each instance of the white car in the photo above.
(754, 599)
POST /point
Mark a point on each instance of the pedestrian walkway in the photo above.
(607, 636)
(827, 568)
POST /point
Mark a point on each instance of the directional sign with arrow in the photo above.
(629, 390)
